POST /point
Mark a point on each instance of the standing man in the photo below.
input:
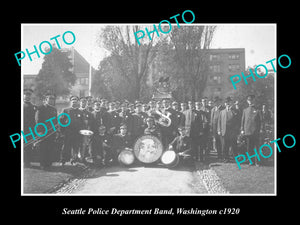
(72, 137)
(114, 117)
(46, 112)
(215, 114)
(198, 133)
(87, 125)
(228, 129)
(179, 116)
(138, 121)
(89, 103)
(29, 121)
(183, 106)
(251, 127)
(126, 118)
(189, 117)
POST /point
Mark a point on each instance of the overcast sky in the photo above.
(259, 41)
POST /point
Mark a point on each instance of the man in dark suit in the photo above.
(199, 132)
(29, 121)
(46, 146)
(228, 129)
(72, 137)
(215, 114)
(251, 127)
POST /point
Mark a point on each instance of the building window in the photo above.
(217, 91)
(213, 57)
(234, 56)
(83, 80)
(215, 68)
(234, 67)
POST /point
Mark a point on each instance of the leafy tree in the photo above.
(55, 74)
(190, 44)
(129, 60)
(262, 88)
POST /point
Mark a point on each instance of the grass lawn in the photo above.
(247, 180)
(37, 181)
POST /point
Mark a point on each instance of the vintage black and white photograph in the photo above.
(148, 109)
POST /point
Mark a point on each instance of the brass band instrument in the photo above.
(164, 120)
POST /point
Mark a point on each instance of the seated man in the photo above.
(152, 128)
(182, 146)
(101, 146)
(120, 141)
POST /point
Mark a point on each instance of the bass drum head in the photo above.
(148, 149)
(126, 157)
(169, 158)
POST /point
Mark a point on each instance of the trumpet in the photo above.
(164, 120)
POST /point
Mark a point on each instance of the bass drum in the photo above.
(148, 149)
(126, 157)
(170, 159)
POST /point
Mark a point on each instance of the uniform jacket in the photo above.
(29, 115)
(199, 123)
(181, 143)
(45, 112)
(228, 123)
(251, 121)
(138, 123)
(76, 124)
(215, 113)
(120, 142)
(88, 119)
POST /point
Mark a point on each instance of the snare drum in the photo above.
(87, 136)
(126, 157)
(170, 158)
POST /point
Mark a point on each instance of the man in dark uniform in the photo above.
(228, 129)
(182, 146)
(46, 146)
(101, 146)
(251, 127)
(215, 113)
(88, 121)
(114, 117)
(29, 121)
(72, 137)
(179, 116)
(120, 141)
(126, 118)
(199, 133)
(138, 121)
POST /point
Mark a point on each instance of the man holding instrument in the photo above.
(182, 145)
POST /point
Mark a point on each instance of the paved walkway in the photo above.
(136, 180)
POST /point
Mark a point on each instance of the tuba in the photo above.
(164, 120)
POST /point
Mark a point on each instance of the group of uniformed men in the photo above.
(194, 128)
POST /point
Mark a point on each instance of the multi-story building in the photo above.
(222, 64)
(80, 69)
